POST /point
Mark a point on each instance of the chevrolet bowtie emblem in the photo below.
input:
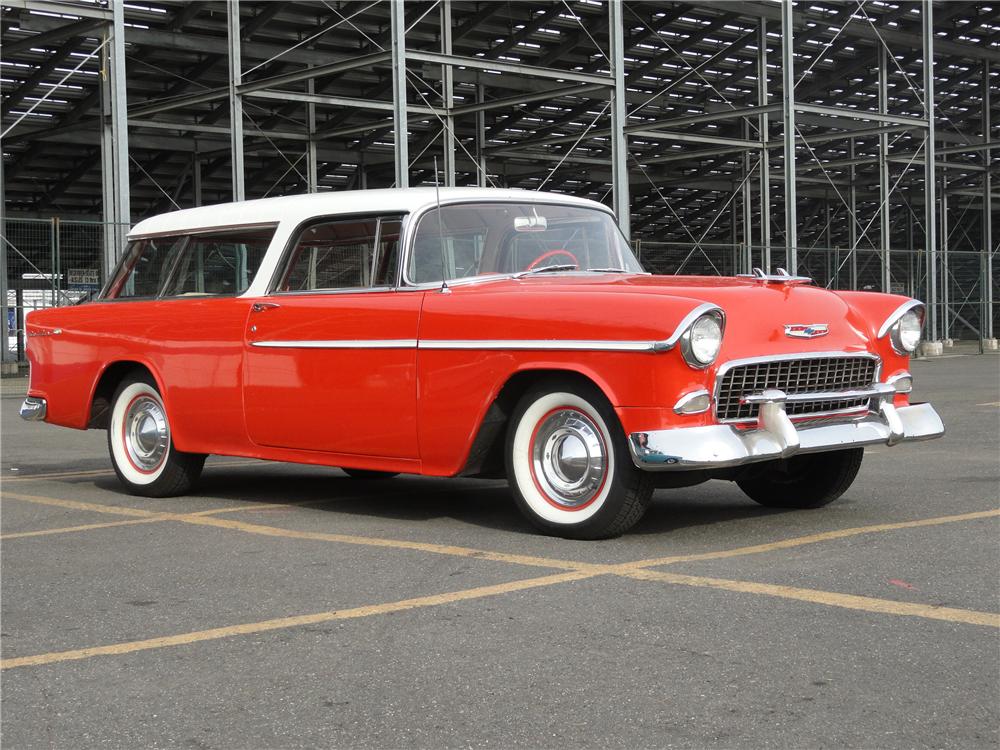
(800, 331)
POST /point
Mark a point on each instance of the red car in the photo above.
(472, 332)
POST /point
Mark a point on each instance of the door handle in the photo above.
(263, 306)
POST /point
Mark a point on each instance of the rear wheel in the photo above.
(369, 474)
(142, 451)
(569, 466)
(809, 481)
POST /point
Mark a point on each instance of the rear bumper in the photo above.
(776, 436)
(34, 409)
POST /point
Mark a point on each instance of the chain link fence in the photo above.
(960, 309)
(50, 262)
(53, 262)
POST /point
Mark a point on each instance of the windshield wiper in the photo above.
(547, 269)
(608, 270)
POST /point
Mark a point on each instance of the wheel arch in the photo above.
(485, 458)
(111, 377)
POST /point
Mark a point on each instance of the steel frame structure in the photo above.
(816, 118)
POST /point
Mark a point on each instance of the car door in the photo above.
(330, 355)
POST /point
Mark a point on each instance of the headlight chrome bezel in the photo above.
(908, 311)
(686, 346)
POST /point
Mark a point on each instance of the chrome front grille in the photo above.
(799, 375)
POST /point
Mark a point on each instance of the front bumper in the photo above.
(776, 436)
(34, 409)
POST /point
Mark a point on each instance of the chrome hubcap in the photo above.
(147, 435)
(568, 456)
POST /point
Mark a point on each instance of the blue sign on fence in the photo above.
(11, 320)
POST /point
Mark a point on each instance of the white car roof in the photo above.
(298, 208)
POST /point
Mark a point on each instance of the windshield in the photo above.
(463, 241)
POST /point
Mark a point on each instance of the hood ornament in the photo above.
(803, 331)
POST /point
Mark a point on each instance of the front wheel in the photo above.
(142, 451)
(809, 481)
(569, 466)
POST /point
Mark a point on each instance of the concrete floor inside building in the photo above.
(290, 606)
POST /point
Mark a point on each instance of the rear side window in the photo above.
(219, 264)
(355, 253)
(144, 268)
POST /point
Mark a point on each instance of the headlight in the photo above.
(701, 342)
(905, 335)
(903, 327)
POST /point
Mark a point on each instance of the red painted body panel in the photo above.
(352, 401)
(418, 410)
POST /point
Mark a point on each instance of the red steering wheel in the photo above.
(551, 254)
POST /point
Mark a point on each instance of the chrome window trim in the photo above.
(202, 230)
(898, 313)
(727, 366)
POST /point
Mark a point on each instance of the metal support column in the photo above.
(619, 141)
(448, 94)
(788, 111)
(765, 159)
(930, 199)
(986, 319)
(5, 353)
(943, 253)
(744, 262)
(852, 224)
(481, 180)
(235, 99)
(114, 142)
(402, 152)
(196, 177)
(312, 163)
(883, 168)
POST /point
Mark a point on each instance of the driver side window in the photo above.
(344, 254)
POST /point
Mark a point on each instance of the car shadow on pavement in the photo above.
(483, 503)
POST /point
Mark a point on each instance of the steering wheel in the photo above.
(551, 254)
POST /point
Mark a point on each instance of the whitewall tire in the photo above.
(140, 444)
(568, 463)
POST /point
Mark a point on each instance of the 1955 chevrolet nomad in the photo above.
(472, 332)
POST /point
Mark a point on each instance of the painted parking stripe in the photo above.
(827, 598)
(72, 529)
(105, 472)
(294, 621)
(134, 521)
(800, 541)
(204, 519)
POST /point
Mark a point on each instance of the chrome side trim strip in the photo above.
(339, 344)
(470, 345)
(541, 345)
(897, 314)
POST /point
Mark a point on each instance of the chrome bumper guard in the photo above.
(776, 436)
(34, 409)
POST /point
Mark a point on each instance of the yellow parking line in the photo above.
(200, 519)
(810, 539)
(84, 527)
(156, 517)
(828, 598)
(102, 472)
(295, 621)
